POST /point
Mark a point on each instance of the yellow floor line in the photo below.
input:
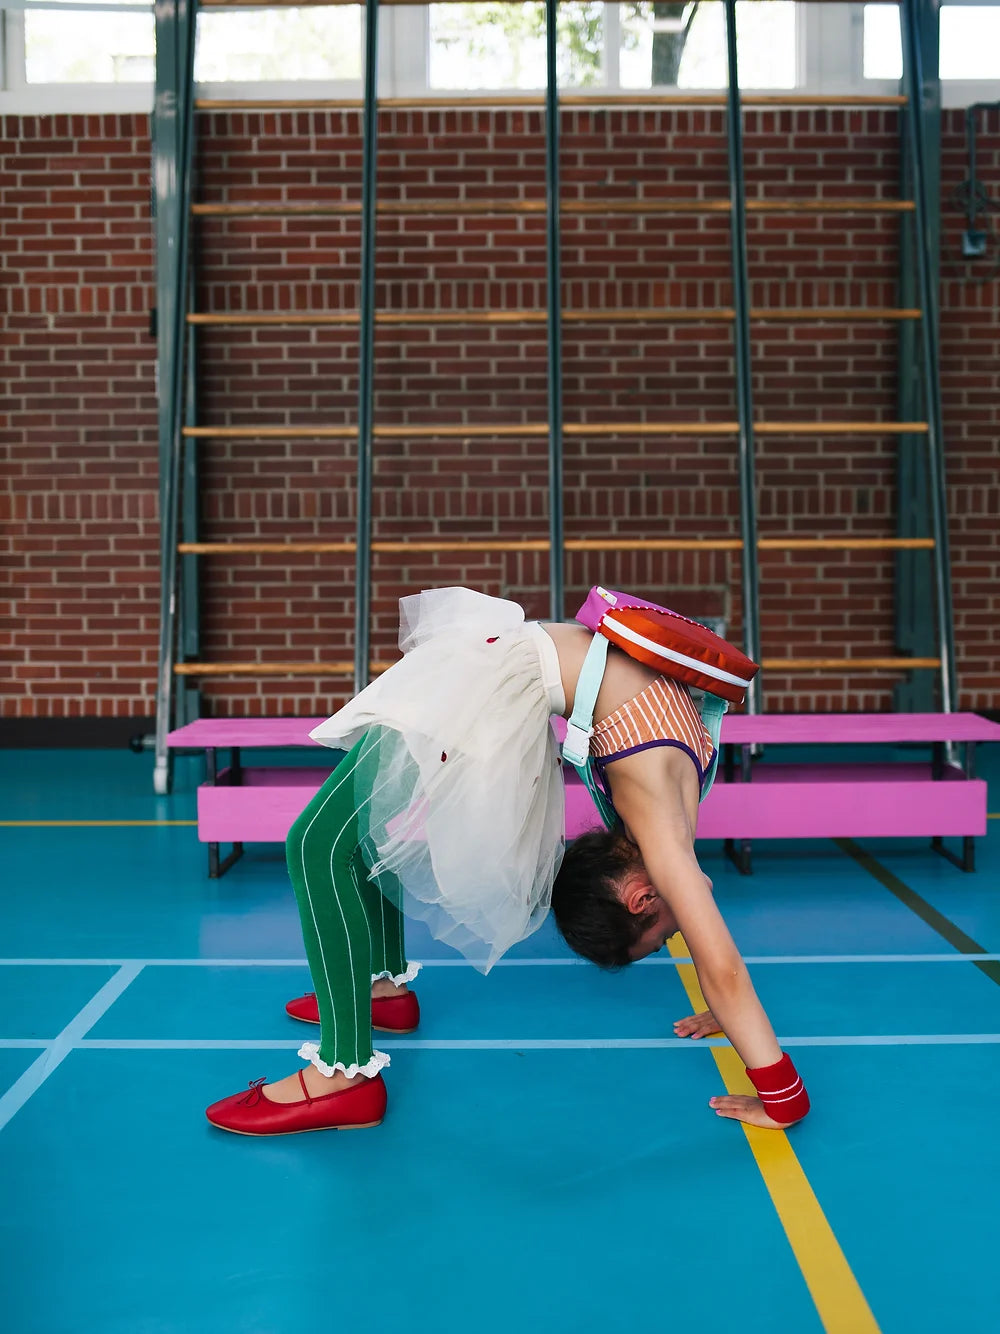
(839, 1301)
(993, 815)
(93, 824)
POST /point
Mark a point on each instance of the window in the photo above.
(108, 45)
(693, 45)
(970, 42)
(502, 45)
(261, 45)
(636, 45)
(883, 51)
(116, 43)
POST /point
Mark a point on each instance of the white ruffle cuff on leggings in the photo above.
(309, 1051)
(399, 979)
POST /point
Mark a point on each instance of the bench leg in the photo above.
(217, 867)
(739, 854)
(967, 861)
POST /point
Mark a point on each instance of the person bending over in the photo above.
(450, 807)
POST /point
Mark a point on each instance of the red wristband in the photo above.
(781, 1090)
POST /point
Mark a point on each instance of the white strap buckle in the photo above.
(576, 746)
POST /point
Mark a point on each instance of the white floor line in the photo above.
(153, 963)
(496, 1044)
(65, 1042)
(654, 961)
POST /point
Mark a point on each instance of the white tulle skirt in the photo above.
(462, 811)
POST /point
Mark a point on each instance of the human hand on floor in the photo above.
(697, 1025)
(741, 1107)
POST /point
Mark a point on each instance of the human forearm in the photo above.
(674, 871)
(733, 1001)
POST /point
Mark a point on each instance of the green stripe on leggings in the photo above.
(349, 929)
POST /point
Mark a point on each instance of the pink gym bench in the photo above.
(751, 799)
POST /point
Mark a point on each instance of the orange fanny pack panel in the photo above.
(670, 643)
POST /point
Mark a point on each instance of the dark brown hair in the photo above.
(590, 916)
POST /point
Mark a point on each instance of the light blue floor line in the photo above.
(502, 1044)
(657, 961)
(65, 1042)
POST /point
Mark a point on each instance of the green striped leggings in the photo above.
(352, 933)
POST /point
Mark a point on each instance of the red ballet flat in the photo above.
(390, 1014)
(395, 1014)
(253, 1113)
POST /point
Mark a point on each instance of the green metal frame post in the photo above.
(173, 111)
(919, 21)
(557, 579)
(916, 631)
(188, 690)
(366, 354)
(741, 352)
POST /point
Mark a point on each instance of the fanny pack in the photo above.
(676, 647)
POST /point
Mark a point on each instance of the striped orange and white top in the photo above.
(664, 714)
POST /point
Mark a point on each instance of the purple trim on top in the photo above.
(602, 761)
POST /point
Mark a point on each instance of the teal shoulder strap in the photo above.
(580, 728)
(713, 710)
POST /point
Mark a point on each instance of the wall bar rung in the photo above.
(347, 668)
(650, 315)
(271, 668)
(500, 207)
(834, 313)
(575, 101)
(844, 543)
(571, 544)
(484, 430)
(840, 428)
(847, 664)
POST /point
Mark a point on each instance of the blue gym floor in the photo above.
(548, 1161)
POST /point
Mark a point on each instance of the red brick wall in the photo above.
(77, 417)
(79, 438)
